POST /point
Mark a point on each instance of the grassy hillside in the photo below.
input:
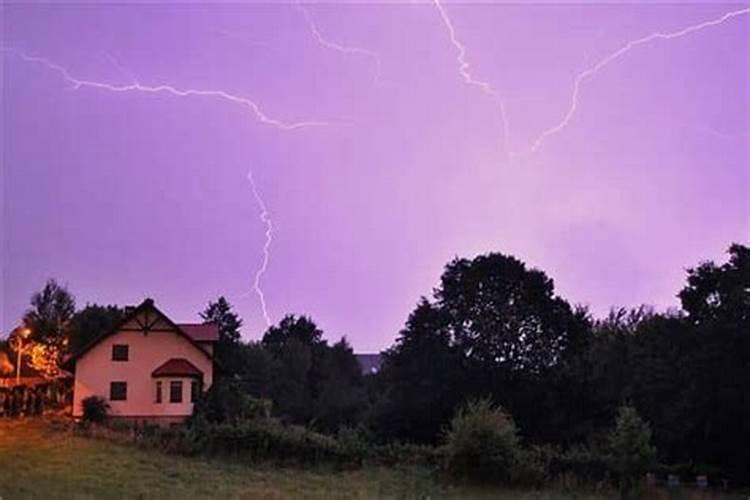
(37, 461)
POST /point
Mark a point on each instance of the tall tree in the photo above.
(422, 380)
(254, 370)
(717, 302)
(297, 350)
(312, 382)
(719, 292)
(92, 321)
(515, 334)
(291, 327)
(503, 315)
(228, 348)
(49, 318)
(342, 392)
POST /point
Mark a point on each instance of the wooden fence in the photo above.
(22, 400)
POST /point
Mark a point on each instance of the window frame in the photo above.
(173, 384)
(195, 390)
(159, 388)
(117, 352)
(115, 395)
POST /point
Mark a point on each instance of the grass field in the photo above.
(39, 462)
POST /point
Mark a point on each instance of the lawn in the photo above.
(38, 461)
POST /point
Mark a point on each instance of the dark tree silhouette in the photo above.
(312, 382)
(228, 348)
(49, 316)
(422, 379)
(92, 321)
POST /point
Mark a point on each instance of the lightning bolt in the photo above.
(358, 51)
(590, 72)
(249, 104)
(463, 70)
(265, 219)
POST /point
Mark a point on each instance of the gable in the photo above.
(145, 318)
(148, 320)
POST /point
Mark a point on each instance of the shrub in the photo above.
(533, 465)
(586, 464)
(268, 439)
(227, 402)
(631, 452)
(95, 409)
(482, 442)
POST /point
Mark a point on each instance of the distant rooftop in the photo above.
(369, 363)
(200, 332)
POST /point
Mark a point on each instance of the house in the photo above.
(147, 367)
(369, 363)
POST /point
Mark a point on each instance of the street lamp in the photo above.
(21, 334)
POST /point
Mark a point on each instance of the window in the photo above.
(120, 352)
(158, 392)
(195, 391)
(175, 391)
(118, 391)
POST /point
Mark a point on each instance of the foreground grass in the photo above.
(37, 461)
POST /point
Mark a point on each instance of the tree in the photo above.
(482, 442)
(504, 316)
(342, 393)
(255, 370)
(92, 321)
(302, 329)
(630, 447)
(6, 365)
(312, 382)
(717, 302)
(297, 349)
(227, 349)
(719, 292)
(422, 380)
(49, 321)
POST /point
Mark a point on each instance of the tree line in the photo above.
(494, 330)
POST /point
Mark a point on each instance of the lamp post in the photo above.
(22, 333)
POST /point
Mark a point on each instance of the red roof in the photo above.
(200, 333)
(177, 367)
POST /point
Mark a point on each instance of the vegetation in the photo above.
(495, 328)
(42, 459)
(598, 400)
(630, 445)
(48, 320)
(482, 442)
(95, 409)
(90, 322)
(227, 349)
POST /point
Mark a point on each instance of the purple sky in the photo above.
(122, 189)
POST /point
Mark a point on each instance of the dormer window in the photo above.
(120, 352)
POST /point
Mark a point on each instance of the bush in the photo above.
(227, 402)
(268, 439)
(482, 442)
(630, 448)
(396, 453)
(533, 465)
(586, 464)
(95, 409)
